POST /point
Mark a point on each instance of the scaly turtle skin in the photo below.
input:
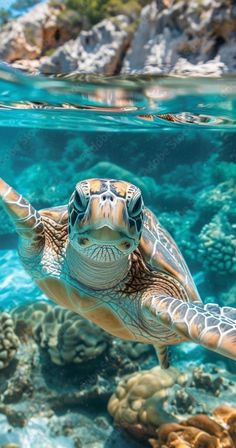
(106, 257)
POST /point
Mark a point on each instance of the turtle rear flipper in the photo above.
(207, 325)
(163, 356)
(27, 221)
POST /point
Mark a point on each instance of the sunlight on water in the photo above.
(127, 103)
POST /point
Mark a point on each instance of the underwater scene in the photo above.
(64, 380)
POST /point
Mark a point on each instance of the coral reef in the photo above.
(66, 336)
(70, 339)
(212, 200)
(8, 340)
(47, 382)
(28, 317)
(138, 403)
(207, 381)
(226, 416)
(145, 400)
(217, 431)
(17, 382)
(218, 246)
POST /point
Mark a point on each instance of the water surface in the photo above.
(173, 137)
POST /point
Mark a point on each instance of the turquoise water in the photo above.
(57, 131)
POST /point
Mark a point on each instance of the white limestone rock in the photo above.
(98, 50)
(30, 35)
(184, 38)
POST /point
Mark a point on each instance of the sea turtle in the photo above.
(105, 256)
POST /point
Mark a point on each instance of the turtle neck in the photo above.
(94, 274)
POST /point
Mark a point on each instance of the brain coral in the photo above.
(70, 338)
(9, 342)
(138, 403)
(218, 246)
(66, 336)
(28, 318)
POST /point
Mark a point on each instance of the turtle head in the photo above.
(105, 218)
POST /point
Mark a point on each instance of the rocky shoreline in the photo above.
(168, 37)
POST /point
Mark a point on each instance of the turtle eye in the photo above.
(80, 200)
(136, 206)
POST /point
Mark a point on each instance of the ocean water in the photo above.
(175, 138)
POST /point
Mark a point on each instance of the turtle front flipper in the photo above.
(27, 221)
(211, 326)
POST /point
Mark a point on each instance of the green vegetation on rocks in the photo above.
(4, 16)
(97, 10)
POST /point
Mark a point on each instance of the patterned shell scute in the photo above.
(160, 252)
(58, 214)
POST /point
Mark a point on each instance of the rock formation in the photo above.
(184, 37)
(31, 35)
(99, 50)
(178, 37)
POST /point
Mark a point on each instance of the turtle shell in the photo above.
(161, 253)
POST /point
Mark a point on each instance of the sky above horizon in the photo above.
(6, 4)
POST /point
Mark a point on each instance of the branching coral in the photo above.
(9, 342)
(218, 246)
(138, 403)
(211, 200)
(217, 239)
(207, 381)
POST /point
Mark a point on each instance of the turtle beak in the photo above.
(106, 234)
